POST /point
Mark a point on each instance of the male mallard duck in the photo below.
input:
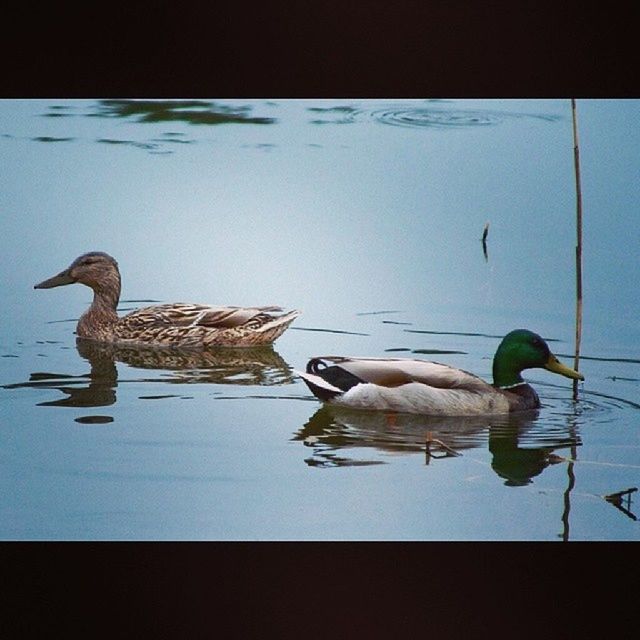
(430, 388)
(174, 325)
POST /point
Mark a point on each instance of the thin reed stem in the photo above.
(576, 159)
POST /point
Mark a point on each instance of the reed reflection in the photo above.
(333, 430)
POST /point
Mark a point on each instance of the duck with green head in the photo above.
(431, 388)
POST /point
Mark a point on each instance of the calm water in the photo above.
(367, 215)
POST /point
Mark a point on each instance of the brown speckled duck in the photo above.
(164, 325)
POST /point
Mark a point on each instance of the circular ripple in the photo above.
(419, 116)
(434, 118)
(561, 412)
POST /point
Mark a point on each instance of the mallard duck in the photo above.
(174, 325)
(431, 388)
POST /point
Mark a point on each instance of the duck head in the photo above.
(96, 270)
(524, 349)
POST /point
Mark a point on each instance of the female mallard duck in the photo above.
(173, 325)
(430, 388)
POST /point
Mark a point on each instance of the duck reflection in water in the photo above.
(332, 430)
(221, 365)
(518, 465)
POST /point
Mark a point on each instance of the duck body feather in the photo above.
(191, 326)
(404, 385)
(197, 325)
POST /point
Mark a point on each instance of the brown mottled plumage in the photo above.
(177, 325)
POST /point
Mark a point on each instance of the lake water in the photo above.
(366, 215)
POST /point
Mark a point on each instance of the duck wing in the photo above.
(394, 372)
(198, 315)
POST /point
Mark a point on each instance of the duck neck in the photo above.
(505, 373)
(102, 313)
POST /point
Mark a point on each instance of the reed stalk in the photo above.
(576, 160)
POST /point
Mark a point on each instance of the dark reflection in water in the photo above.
(465, 333)
(131, 143)
(452, 333)
(377, 313)
(58, 111)
(436, 351)
(603, 359)
(338, 331)
(173, 137)
(485, 250)
(424, 351)
(193, 112)
(51, 139)
(224, 365)
(94, 389)
(94, 419)
(333, 429)
(518, 464)
(190, 111)
(340, 427)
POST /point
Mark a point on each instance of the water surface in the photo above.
(367, 215)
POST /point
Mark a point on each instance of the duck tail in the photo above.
(320, 388)
(274, 328)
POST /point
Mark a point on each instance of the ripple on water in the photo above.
(426, 117)
(418, 116)
(592, 408)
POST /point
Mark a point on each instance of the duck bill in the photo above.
(57, 281)
(553, 364)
